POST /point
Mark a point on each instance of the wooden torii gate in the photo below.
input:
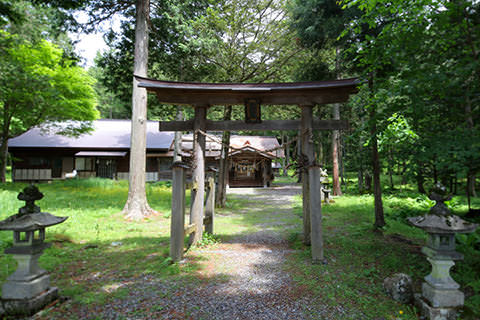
(203, 95)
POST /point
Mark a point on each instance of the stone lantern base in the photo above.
(28, 289)
(432, 313)
(27, 307)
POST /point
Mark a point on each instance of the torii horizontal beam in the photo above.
(293, 93)
(272, 125)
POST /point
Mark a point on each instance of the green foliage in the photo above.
(359, 259)
(208, 240)
(109, 103)
(38, 85)
(319, 23)
(423, 59)
(9, 12)
(244, 41)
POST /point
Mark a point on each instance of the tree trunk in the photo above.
(284, 165)
(307, 154)
(420, 179)
(197, 195)
(299, 153)
(455, 184)
(390, 169)
(137, 206)
(7, 117)
(360, 180)
(287, 155)
(3, 158)
(340, 161)
(368, 181)
(450, 181)
(223, 170)
(336, 191)
(377, 190)
(471, 184)
(402, 173)
(471, 173)
(320, 150)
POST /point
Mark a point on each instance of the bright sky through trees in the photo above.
(89, 44)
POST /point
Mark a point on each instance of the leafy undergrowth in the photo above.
(359, 258)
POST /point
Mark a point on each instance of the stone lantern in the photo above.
(28, 289)
(440, 297)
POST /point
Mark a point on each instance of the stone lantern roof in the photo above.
(29, 217)
(439, 220)
(30, 222)
(442, 224)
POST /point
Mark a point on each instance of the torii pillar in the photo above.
(198, 175)
(312, 203)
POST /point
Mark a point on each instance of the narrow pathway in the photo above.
(251, 282)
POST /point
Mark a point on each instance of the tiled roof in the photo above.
(260, 143)
(108, 134)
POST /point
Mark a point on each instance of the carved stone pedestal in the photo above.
(27, 307)
(440, 297)
(429, 312)
(27, 290)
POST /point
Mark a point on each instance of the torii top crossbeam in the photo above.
(209, 94)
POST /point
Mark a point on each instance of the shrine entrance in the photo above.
(201, 96)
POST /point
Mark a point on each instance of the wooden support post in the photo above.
(316, 214)
(210, 205)
(198, 175)
(311, 184)
(178, 212)
(305, 149)
(264, 174)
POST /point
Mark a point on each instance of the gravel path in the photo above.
(242, 278)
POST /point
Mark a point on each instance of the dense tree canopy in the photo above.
(426, 66)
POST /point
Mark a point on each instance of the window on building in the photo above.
(85, 164)
(164, 164)
(39, 161)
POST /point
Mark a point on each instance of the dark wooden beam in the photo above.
(279, 125)
(334, 95)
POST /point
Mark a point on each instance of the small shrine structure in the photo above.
(252, 96)
(249, 159)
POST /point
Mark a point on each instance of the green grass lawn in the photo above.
(359, 258)
(8, 174)
(95, 221)
(97, 240)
